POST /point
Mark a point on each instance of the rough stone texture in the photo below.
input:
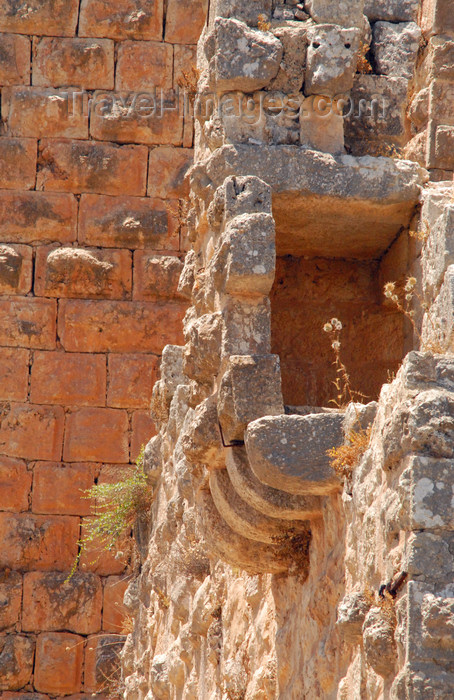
(391, 10)
(395, 48)
(331, 59)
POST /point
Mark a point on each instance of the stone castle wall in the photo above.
(90, 254)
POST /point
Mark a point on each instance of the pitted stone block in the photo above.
(441, 331)
(152, 460)
(351, 613)
(291, 74)
(426, 489)
(438, 621)
(392, 10)
(395, 48)
(200, 437)
(379, 643)
(347, 13)
(438, 253)
(244, 59)
(265, 499)
(247, 12)
(243, 519)
(201, 356)
(331, 59)
(250, 389)
(290, 452)
(245, 195)
(246, 327)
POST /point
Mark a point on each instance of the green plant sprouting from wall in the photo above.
(116, 508)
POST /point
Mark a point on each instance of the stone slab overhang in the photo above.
(324, 205)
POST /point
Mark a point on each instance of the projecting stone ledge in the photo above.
(290, 452)
(323, 205)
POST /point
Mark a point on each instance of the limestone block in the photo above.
(16, 661)
(379, 645)
(16, 267)
(246, 12)
(201, 438)
(187, 277)
(439, 329)
(441, 146)
(321, 125)
(245, 520)
(250, 389)
(245, 59)
(201, 356)
(246, 327)
(424, 682)
(347, 13)
(171, 376)
(427, 493)
(438, 621)
(359, 416)
(419, 108)
(395, 48)
(392, 10)
(290, 452)
(429, 557)
(331, 59)
(438, 63)
(290, 77)
(152, 460)
(265, 499)
(438, 253)
(351, 613)
(245, 195)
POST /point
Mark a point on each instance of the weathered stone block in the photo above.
(156, 276)
(201, 438)
(322, 124)
(42, 113)
(435, 17)
(395, 48)
(53, 18)
(391, 10)
(290, 77)
(441, 145)
(14, 364)
(38, 216)
(144, 65)
(247, 328)
(28, 322)
(131, 380)
(68, 379)
(438, 621)
(439, 329)
(248, 13)
(16, 661)
(16, 269)
(344, 13)
(107, 326)
(22, 422)
(244, 59)
(58, 664)
(351, 613)
(10, 599)
(113, 610)
(143, 118)
(97, 434)
(438, 63)
(185, 20)
(17, 163)
(51, 603)
(290, 452)
(250, 389)
(142, 430)
(38, 542)
(243, 195)
(130, 19)
(15, 483)
(86, 166)
(438, 253)
(331, 59)
(429, 557)
(102, 661)
(379, 644)
(83, 63)
(201, 357)
(60, 488)
(167, 172)
(15, 60)
(128, 222)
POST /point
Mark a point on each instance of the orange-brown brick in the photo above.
(16, 661)
(156, 276)
(128, 222)
(28, 322)
(58, 664)
(68, 379)
(184, 60)
(81, 273)
(38, 217)
(32, 432)
(126, 19)
(15, 60)
(17, 163)
(60, 488)
(131, 379)
(14, 374)
(86, 166)
(167, 172)
(41, 542)
(15, 484)
(99, 560)
(51, 603)
(10, 599)
(102, 661)
(138, 117)
(42, 112)
(185, 20)
(119, 326)
(96, 434)
(114, 613)
(144, 65)
(52, 18)
(85, 63)
(16, 269)
(143, 430)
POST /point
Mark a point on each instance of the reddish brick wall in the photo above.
(89, 207)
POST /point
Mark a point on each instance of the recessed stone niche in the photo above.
(308, 292)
